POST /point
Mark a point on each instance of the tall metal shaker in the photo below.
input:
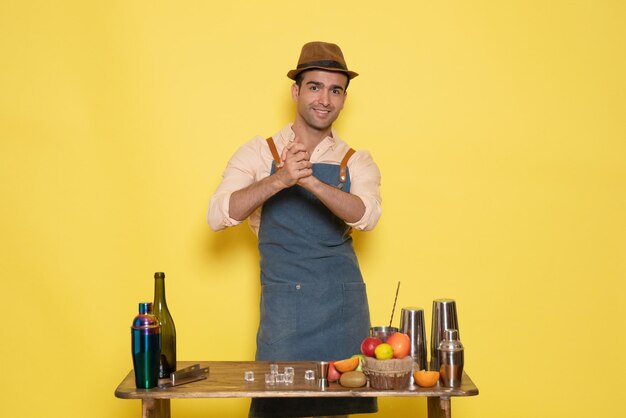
(412, 324)
(146, 347)
(444, 317)
(451, 356)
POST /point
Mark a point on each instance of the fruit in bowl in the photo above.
(369, 345)
(401, 344)
(383, 351)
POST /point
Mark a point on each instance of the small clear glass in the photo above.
(289, 378)
(270, 378)
(280, 377)
(289, 371)
(273, 368)
(309, 375)
(249, 376)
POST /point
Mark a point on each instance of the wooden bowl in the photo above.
(392, 374)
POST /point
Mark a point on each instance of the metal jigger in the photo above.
(321, 370)
(444, 317)
(412, 324)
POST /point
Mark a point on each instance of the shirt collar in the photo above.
(288, 135)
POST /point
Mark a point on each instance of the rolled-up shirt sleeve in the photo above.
(244, 168)
(253, 162)
(365, 183)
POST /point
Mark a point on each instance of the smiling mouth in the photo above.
(323, 111)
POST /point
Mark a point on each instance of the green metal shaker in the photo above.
(146, 347)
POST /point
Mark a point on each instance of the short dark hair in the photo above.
(299, 77)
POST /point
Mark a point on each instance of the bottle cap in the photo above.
(451, 341)
(146, 320)
(451, 334)
(145, 307)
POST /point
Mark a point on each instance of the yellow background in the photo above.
(498, 126)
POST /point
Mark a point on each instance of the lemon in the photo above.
(383, 351)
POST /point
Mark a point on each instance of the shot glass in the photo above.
(249, 376)
(289, 378)
(270, 378)
(273, 368)
(280, 377)
(289, 371)
(309, 375)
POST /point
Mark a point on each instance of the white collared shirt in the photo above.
(253, 162)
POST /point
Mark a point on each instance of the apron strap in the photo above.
(277, 162)
(344, 165)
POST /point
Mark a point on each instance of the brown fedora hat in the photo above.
(321, 56)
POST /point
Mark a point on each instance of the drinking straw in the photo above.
(394, 304)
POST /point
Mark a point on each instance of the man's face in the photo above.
(320, 98)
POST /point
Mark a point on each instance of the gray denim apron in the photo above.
(313, 299)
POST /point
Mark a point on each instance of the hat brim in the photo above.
(294, 73)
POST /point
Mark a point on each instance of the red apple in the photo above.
(333, 374)
(369, 345)
(401, 344)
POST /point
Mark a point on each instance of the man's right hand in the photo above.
(295, 164)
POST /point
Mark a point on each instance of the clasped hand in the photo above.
(296, 165)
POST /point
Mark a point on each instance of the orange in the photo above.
(361, 358)
(347, 365)
(401, 344)
(426, 379)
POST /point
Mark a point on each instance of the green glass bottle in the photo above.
(168, 330)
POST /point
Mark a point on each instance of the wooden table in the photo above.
(226, 380)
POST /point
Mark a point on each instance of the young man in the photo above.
(303, 191)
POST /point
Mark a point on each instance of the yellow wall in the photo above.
(498, 126)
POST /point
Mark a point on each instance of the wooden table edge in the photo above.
(295, 394)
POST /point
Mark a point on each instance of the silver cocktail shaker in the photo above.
(451, 357)
(412, 324)
(444, 317)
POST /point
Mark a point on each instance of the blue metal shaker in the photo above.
(146, 347)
